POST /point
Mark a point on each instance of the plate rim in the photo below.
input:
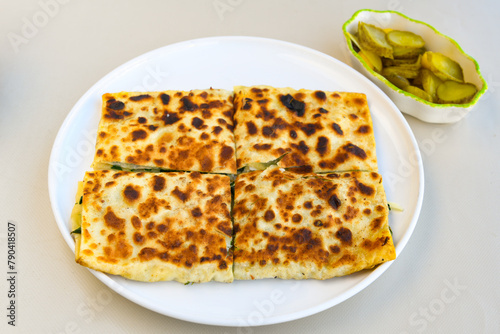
(140, 300)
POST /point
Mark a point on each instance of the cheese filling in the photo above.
(76, 216)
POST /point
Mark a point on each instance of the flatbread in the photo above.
(156, 226)
(299, 226)
(169, 130)
(326, 131)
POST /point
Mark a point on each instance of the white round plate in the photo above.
(222, 62)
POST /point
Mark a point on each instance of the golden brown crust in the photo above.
(174, 130)
(290, 225)
(157, 226)
(327, 131)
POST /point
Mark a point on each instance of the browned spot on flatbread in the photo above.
(226, 228)
(334, 201)
(320, 95)
(139, 134)
(337, 129)
(364, 129)
(138, 238)
(140, 97)
(251, 128)
(206, 163)
(188, 104)
(359, 101)
(116, 105)
(355, 150)
(226, 153)
(268, 131)
(158, 183)
(322, 145)
(169, 118)
(350, 213)
(161, 228)
(131, 193)
(165, 98)
(310, 128)
(136, 222)
(302, 147)
(222, 265)
(269, 215)
(335, 249)
(147, 253)
(113, 221)
(196, 212)
(123, 249)
(148, 207)
(183, 196)
(262, 147)
(344, 235)
(364, 189)
(376, 223)
(217, 129)
(216, 104)
(197, 123)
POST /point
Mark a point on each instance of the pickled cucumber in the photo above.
(395, 62)
(405, 53)
(430, 82)
(398, 80)
(373, 39)
(442, 66)
(455, 92)
(405, 39)
(355, 43)
(372, 59)
(419, 93)
(404, 71)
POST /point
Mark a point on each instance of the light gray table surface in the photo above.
(447, 279)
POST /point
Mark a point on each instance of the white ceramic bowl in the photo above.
(434, 41)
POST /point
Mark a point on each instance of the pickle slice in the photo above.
(416, 65)
(419, 93)
(455, 92)
(396, 62)
(405, 53)
(430, 82)
(405, 39)
(418, 80)
(443, 67)
(373, 39)
(398, 80)
(404, 71)
(354, 42)
(372, 60)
